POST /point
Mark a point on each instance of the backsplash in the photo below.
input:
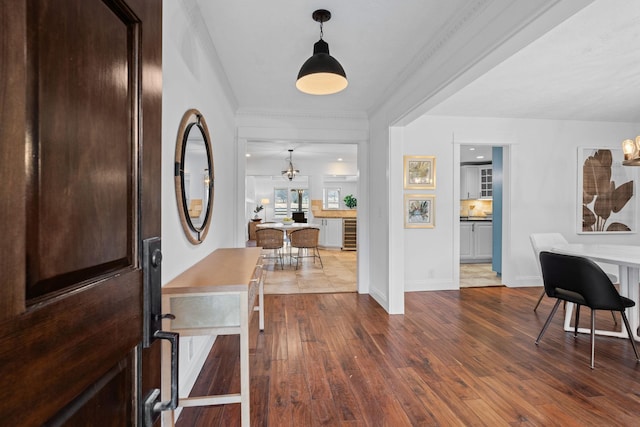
(478, 207)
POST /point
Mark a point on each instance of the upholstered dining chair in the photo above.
(305, 240)
(582, 282)
(545, 242)
(271, 239)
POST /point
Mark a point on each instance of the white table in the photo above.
(627, 258)
(287, 227)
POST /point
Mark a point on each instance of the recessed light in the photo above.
(247, 155)
(339, 159)
(479, 157)
(472, 149)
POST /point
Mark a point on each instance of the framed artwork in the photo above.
(419, 172)
(419, 211)
(606, 193)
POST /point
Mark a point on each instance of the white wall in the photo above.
(192, 80)
(541, 190)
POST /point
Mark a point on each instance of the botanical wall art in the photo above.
(606, 192)
(419, 172)
(419, 211)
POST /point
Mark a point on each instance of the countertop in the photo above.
(476, 218)
(351, 213)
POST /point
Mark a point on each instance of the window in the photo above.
(286, 201)
(331, 198)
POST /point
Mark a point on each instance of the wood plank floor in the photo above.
(456, 358)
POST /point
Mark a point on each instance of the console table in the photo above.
(216, 296)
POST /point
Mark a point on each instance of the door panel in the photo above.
(89, 99)
(81, 174)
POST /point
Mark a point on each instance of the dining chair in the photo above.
(545, 242)
(305, 240)
(582, 282)
(271, 239)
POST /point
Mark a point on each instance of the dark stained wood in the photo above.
(80, 171)
(13, 31)
(455, 358)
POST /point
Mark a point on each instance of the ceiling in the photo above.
(262, 45)
(586, 68)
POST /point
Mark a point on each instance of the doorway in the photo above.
(480, 215)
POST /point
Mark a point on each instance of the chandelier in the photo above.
(290, 172)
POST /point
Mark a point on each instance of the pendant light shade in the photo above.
(321, 74)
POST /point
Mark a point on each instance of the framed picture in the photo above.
(606, 193)
(419, 172)
(419, 211)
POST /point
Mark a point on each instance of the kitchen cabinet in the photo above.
(330, 233)
(476, 182)
(476, 241)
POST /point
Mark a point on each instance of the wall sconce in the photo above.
(631, 150)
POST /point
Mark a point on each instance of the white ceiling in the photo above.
(587, 68)
(262, 45)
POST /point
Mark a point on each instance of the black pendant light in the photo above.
(321, 74)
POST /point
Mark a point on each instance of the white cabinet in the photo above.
(476, 241)
(466, 241)
(476, 182)
(469, 182)
(330, 233)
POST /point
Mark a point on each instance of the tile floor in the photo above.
(338, 275)
(340, 271)
(478, 275)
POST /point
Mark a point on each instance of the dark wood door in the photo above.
(80, 143)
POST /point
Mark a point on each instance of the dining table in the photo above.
(627, 258)
(288, 226)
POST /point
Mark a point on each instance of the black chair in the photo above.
(581, 281)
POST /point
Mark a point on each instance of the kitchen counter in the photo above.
(476, 218)
(335, 213)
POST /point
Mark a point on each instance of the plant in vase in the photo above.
(256, 211)
(350, 201)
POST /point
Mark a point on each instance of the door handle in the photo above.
(173, 338)
(152, 328)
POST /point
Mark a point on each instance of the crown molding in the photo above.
(448, 30)
(291, 114)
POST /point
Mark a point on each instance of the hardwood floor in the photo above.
(456, 358)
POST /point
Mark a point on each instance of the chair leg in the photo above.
(539, 300)
(613, 314)
(546, 324)
(593, 335)
(633, 342)
(577, 321)
(317, 253)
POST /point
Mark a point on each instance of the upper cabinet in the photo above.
(476, 182)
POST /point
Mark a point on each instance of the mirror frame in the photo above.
(190, 119)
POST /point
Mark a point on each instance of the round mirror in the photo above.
(194, 176)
